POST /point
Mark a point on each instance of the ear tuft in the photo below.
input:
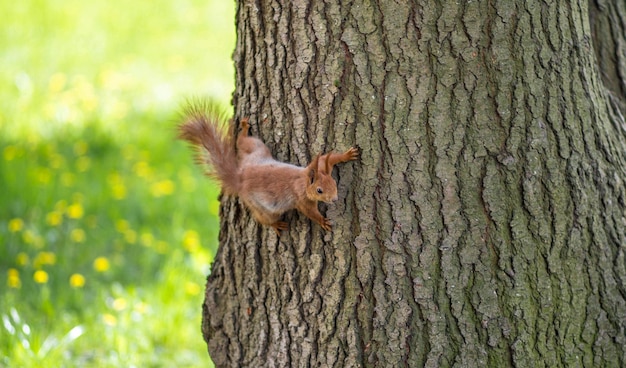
(329, 168)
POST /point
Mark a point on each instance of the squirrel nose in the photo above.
(335, 198)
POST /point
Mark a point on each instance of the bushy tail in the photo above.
(206, 128)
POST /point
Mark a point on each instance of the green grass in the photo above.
(107, 231)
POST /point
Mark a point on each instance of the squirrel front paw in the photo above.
(326, 225)
(352, 153)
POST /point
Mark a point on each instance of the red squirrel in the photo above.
(267, 187)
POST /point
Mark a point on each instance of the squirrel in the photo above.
(267, 187)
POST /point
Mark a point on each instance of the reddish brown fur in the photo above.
(204, 127)
(267, 187)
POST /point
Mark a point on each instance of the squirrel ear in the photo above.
(329, 167)
(313, 166)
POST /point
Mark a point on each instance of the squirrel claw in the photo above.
(278, 226)
(326, 225)
(352, 153)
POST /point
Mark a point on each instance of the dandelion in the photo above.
(130, 236)
(77, 280)
(101, 264)
(10, 153)
(43, 175)
(162, 188)
(29, 237)
(22, 259)
(188, 182)
(118, 189)
(119, 109)
(56, 161)
(80, 148)
(68, 179)
(77, 235)
(15, 225)
(109, 319)
(147, 239)
(40, 277)
(83, 163)
(191, 288)
(214, 207)
(191, 241)
(140, 307)
(61, 205)
(122, 225)
(119, 304)
(57, 82)
(128, 152)
(142, 169)
(44, 258)
(75, 211)
(13, 279)
(54, 218)
(90, 102)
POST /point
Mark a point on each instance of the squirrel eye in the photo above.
(320, 191)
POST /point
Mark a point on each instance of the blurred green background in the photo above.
(107, 230)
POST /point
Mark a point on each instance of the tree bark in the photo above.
(484, 222)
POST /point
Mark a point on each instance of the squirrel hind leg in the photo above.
(245, 127)
(278, 226)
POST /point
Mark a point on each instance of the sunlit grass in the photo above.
(107, 231)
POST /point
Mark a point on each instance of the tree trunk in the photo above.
(484, 222)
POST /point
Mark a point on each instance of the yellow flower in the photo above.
(101, 264)
(16, 224)
(122, 225)
(10, 152)
(77, 235)
(43, 175)
(77, 280)
(109, 319)
(61, 205)
(75, 211)
(119, 109)
(162, 188)
(116, 183)
(68, 179)
(141, 307)
(83, 163)
(120, 304)
(29, 237)
(54, 218)
(128, 152)
(147, 239)
(80, 148)
(57, 82)
(191, 241)
(44, 258)
(22, 259)
(191, 288)
(56, 161)
(118, 190)
(130, 236)
(142, 169)
(13, 279)
(40, 276)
